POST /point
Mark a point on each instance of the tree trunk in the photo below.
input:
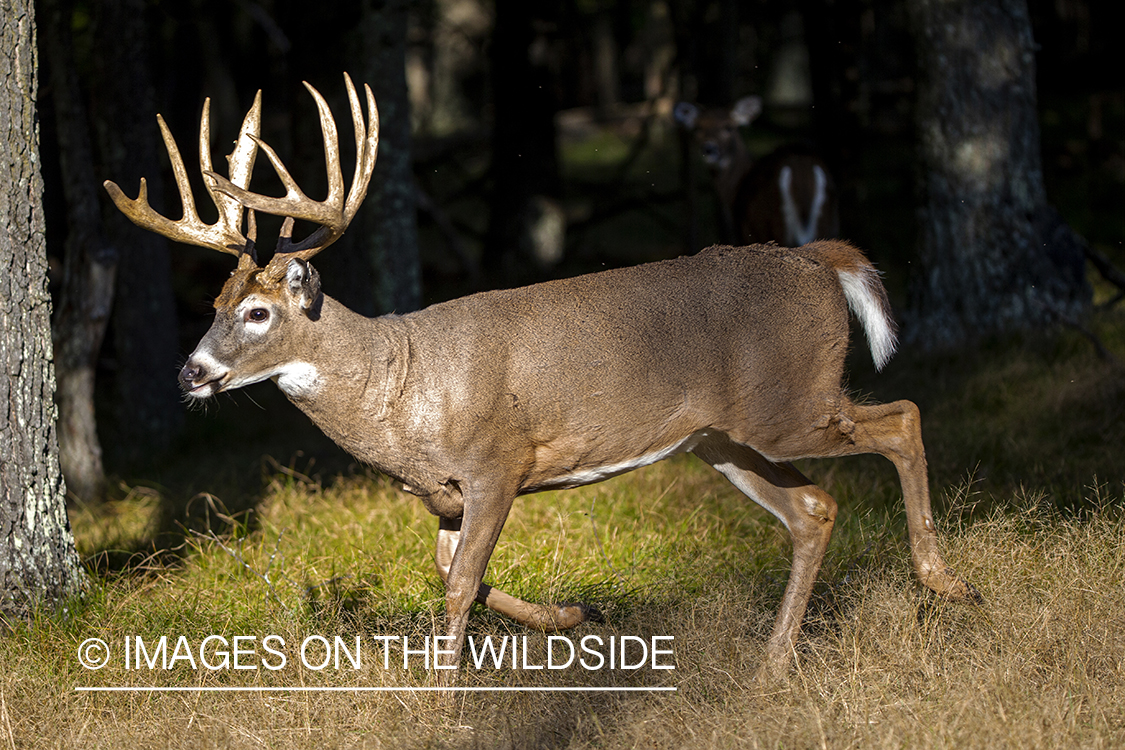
(388, 226)
(89, 266)
(144, 315)
(37, 558)
(605, 59)
(994, 256)
(524, 219)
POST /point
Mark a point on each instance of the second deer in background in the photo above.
(787, 197)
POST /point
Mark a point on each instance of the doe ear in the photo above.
(304, 284)
(685, 114)
(746, 110)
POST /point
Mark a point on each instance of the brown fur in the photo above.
(736, 354)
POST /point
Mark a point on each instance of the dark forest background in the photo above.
(500, 117)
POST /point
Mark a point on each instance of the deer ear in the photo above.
(685, 114)
(746, 110)
(304, 284)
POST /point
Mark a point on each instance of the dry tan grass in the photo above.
(881, 663)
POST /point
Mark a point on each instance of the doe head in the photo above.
(716, 129)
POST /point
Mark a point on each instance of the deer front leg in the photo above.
(483, 519)
(536, 616)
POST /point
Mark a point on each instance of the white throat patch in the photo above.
(299, 380)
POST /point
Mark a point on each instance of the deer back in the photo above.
(572, 381)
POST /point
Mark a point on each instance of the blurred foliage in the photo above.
(622, 188)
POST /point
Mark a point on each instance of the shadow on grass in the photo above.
(212, 481)
(1033, 410)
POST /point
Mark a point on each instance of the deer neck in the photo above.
(729, 173)
(348, 377)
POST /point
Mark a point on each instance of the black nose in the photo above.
(191, 374)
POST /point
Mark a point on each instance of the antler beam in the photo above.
(225, 235)
(334, 213)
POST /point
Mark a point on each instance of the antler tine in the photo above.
(187, 199)
(334, 213)
(367, 145)
(225, 234)
(240, 165)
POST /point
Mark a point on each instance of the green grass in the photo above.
(1029, 486)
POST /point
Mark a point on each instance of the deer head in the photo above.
(257, 303)
(788, 196)
(716, 131)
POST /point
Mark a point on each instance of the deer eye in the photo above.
(258, 315)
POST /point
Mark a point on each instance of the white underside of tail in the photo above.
(799, 232)
(863, 299)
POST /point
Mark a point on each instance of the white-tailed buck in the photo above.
(787, 196)
(735, 354)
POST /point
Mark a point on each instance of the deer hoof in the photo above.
(970, 593)
(591, 613)
(567, 616)
(950, 585)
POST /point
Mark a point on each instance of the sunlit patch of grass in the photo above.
(671, 550)
(604, 151)
(120, 528)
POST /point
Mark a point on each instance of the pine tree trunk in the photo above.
(89, 267)
(525, 169)
(992, 253)
(144, 316)
(388, 227)
(37, 558)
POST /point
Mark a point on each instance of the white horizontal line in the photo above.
(226, 689)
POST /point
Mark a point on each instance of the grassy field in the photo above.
(1029, 483)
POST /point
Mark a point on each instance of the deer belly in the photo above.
(554, 471)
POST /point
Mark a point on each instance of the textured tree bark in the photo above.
(389, 223)
(148, 409)
(37, 559)
(995, 257)
(89, 267)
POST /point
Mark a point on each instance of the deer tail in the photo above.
(866, 296)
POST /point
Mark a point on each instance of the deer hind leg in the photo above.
(536, 616)
(894, 430)
(806, 510)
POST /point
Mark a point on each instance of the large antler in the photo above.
(334, 213)
(225, 234)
